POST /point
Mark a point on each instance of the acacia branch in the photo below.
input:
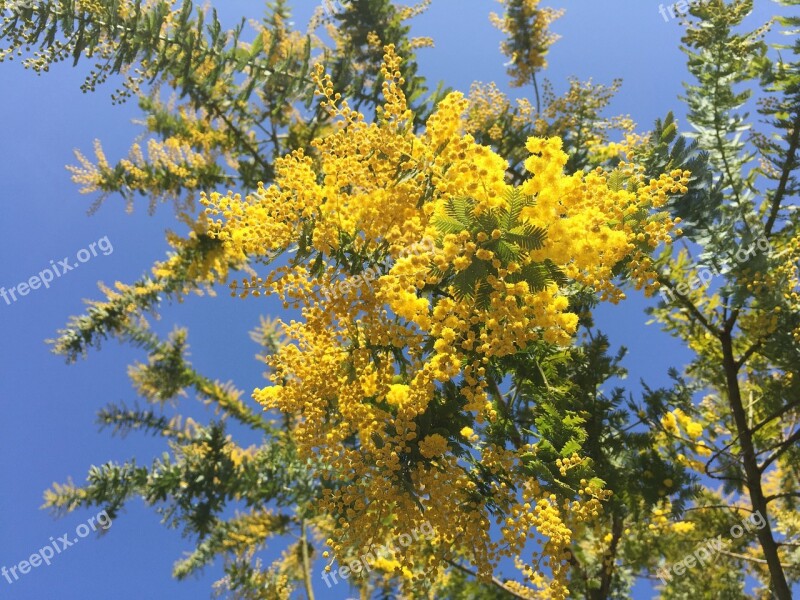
(748, 353)
(782, 495)
(760, 561)
(495, 581)
(732, 508)
(784, 446)
(782, 411)
(306, 562)
(504, 410)
(749, 463)
(666, 282)
(788, 166)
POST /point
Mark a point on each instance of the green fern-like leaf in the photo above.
(527, 237)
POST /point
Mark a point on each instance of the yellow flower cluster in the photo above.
(207, 265)
(171, 166)
(567, 205)
(672, 420)
(93, 6)
(172, 156)
(90, 175)
(783, 279)
(432, 446)
(659, 520)
(487, 104)
(527, 26)
(250, 530)
(678, 424)
(365, 365)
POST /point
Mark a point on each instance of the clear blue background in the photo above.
(47, 430)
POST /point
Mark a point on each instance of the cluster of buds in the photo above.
(14, 5)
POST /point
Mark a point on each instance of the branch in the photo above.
(791, 158)
(607, 565)
(780, 413)
(748, 353)
(784, 446)
(498, 396)
(495, 581)
(717, 453)
(760, 561)
(782, 495)
(732, 508)
(306, 562)
(690, 305)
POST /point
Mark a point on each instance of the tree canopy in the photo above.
(441, 405)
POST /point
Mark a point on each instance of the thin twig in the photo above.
(306, 562)
(495, 580)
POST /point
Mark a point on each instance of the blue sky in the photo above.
(48, 433)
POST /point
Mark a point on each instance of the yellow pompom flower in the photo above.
(397, 394)
(694, 430)
(432, 446)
